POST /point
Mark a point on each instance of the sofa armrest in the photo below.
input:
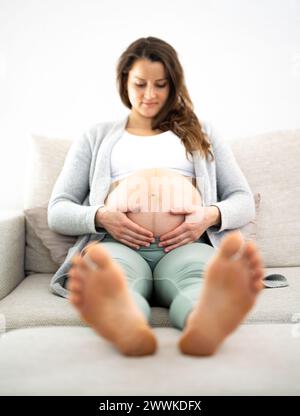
(12, 250)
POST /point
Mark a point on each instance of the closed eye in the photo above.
(142, 85)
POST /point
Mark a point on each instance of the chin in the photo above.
(152, 111)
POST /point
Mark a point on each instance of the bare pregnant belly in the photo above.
(148, 195)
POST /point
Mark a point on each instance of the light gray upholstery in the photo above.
(46, 159)
(32, 304)
(12, 248)
(270, 162)
(255, 360)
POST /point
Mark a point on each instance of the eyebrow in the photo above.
(161, 79)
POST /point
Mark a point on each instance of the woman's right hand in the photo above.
(121, 228)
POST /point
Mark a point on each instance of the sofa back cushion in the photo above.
(45, 161)
(270, 163)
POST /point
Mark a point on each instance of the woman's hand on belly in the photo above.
(194, 226)
(148, 196)
(123, 229)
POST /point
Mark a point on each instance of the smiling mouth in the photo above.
(149, 104)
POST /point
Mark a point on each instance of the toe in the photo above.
(232, 245)
(87, 247)
(74, 286)
(251, 253)
(73, 273)
(89, 263)
(258, 273)
(254, 259)
(255, 264)
(75, 299)
(257, 276)
(76, 259)
(257, 285)
(97, 256)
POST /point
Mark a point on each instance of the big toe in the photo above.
(96, 256)
(232, 244)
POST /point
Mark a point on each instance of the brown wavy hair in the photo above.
(177, 114)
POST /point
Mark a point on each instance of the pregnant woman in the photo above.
(155, 198)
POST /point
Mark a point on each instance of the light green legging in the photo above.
(176, 276)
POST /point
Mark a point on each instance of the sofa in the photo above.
(45, 349)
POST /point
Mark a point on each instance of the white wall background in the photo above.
(57, 67)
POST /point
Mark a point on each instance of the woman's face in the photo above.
(147, 83)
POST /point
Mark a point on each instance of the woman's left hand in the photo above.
(196, 223)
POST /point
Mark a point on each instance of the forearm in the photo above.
(68, 210)
(69, 218)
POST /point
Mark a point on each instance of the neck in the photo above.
(138, 122)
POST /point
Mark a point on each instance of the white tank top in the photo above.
(164, 150)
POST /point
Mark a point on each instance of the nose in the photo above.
(149, 93)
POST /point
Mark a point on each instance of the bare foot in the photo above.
(231, 286)
(99, 291)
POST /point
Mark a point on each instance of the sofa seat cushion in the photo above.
(254, 360)
(278, 304)
(33, 304)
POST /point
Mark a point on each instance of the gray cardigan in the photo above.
(84, 182)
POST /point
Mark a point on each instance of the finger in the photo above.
(128, 243)
(195, 217)
(177, 231)
(181, 243)
(172, 211)
(139, 230)
(173, 240)
(181, 211)
(137, 240)
(137, 237)
(142, 231)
